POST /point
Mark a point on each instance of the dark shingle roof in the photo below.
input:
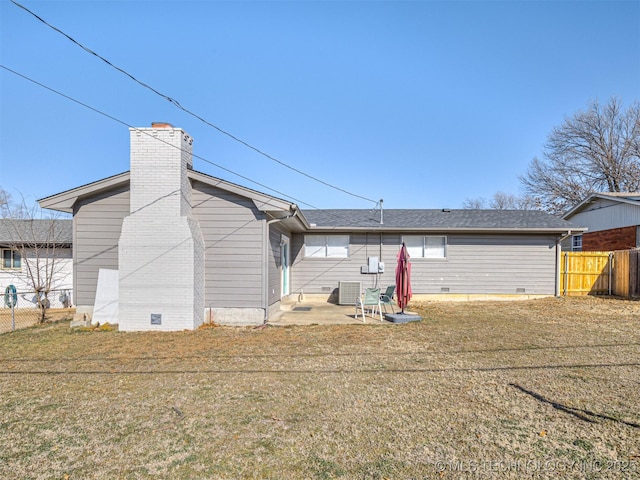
(36, 231)
(467, 219)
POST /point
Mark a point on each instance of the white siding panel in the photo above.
(60, 262)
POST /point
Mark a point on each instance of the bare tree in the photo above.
(596, 150)
(38, 245)
(509, 201)
(502, 201)
(5, 199)
(474, 203)
(6, 204)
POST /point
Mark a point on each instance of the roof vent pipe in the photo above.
(381, 213)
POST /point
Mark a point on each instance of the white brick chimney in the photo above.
(161, 249)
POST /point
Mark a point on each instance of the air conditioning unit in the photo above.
(348, 292)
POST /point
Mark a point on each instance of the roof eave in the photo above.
(262, 201)
(554, 230)
(589, 200)
(65, 201)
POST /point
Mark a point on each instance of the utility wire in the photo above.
(177, 104)
(122, 122)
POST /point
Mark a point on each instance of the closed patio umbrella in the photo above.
(403, 277)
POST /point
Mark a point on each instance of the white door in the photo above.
(284, 262)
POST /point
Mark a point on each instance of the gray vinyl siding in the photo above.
(490, 265)
(321, 275)
(567, 244)
(232, 228)
(475, 264)
(238, 263)
(232, 231)
(606, 215)
(96, 232)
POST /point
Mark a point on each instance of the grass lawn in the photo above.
(537, 389)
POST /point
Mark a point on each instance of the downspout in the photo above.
(265, 265)
(559, 260)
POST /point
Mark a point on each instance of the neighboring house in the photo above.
(612, 220)
(235, 253)
(31, 245)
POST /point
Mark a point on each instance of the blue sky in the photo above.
(421, 103)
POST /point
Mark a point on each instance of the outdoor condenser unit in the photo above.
(348, 292)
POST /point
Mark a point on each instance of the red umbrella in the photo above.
(403, 277)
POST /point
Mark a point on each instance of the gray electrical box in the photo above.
(373, 266)
(156, 319)
(372, 263)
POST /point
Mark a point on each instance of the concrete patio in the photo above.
(320, 312)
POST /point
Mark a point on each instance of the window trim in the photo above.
(424, 237)
(14, 253)
(327, 246)
(574, 247)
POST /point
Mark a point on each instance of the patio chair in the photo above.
(371, 299)
(387, 298)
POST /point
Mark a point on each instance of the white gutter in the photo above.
(376, 227)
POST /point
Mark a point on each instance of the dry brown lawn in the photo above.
(28, 317)
(536, 389)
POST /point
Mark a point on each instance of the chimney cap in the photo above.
(161, 125)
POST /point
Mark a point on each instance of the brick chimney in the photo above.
(161, 249)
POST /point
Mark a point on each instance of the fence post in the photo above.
(636, 278)
(566, 273)
(610, 272)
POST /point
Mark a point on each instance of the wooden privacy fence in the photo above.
(626, 273)
(601, 273)
(586, 273)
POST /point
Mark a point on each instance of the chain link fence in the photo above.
(20, 309)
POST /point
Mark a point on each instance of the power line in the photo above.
(122, 122)
(177, 104)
